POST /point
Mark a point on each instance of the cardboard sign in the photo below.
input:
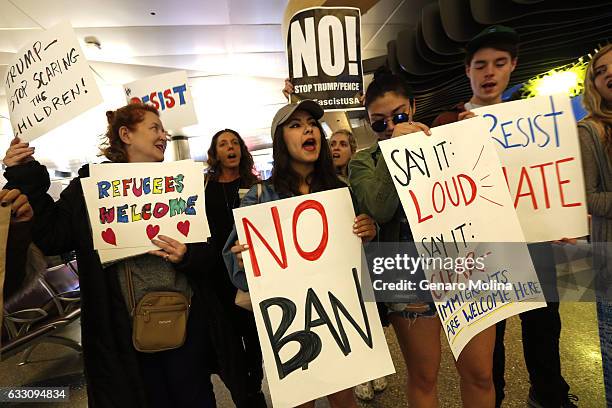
(537, 142)
(169, 94)
(324, 55)
(453, 192)
(303, 268)
(129, 204)
(49, 83)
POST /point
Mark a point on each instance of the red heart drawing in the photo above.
(152, 231)
(109, 236)
(183, 227)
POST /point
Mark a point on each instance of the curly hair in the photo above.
(245, 168)
(130, 115)
(349, 135)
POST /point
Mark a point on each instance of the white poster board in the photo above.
(169, 94)
(453, 192)
(303, 268)
(48, 83)
(131, 203)
(537, 142)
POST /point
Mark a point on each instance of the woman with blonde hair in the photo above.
(343, 146)
(595, 133)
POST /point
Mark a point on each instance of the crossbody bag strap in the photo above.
(130, 289)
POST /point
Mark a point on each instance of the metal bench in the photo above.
(36, 313)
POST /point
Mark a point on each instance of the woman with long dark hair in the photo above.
(302, 165)
(595, 133)
(390, 106)
(118, 375)
(231, 171)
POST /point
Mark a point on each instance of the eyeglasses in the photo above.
(381, 125)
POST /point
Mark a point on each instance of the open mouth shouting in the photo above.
(310, 144)
(161, 147)
(609, 83)
(232, 156)
(335, 155)
(489, 86)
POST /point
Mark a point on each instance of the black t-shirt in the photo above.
(221, 199)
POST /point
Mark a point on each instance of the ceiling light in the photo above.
(567, 79)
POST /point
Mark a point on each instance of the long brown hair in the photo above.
(287, 181)
(246, 167)
(599, 111)
(130, 115)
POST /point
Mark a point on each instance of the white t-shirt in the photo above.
(471, 106)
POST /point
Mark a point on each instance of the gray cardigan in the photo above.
(597, 168)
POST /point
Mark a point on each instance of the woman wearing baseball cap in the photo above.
(302, 165)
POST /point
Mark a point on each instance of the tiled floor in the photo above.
(581, 363)
(580, 356)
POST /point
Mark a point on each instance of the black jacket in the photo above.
(111, 366)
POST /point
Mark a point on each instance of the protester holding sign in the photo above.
(343, 146)
(14, 266)
(390, 106)
(230, 174)
(596, 142)
(491, 58)
(116, 374)
(302, 165)
(324, 56)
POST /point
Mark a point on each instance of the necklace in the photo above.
(229, 206)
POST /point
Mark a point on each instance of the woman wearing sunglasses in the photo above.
(390, 106)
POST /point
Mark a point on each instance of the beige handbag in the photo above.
(159, 319)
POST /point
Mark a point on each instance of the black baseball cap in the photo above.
(492, 35)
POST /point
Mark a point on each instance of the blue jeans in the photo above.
(604, 319)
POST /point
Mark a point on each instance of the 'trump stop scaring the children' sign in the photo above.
(303, 270)
(49, 83)
(129, 204)
(324, 52)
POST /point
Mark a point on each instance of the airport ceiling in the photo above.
(552, 33)
(234, 54)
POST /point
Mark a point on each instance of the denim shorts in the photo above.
(403, 310)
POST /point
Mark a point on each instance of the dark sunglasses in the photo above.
(381, 125)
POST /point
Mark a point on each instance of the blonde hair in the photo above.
(349, 135)
(599, 111)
